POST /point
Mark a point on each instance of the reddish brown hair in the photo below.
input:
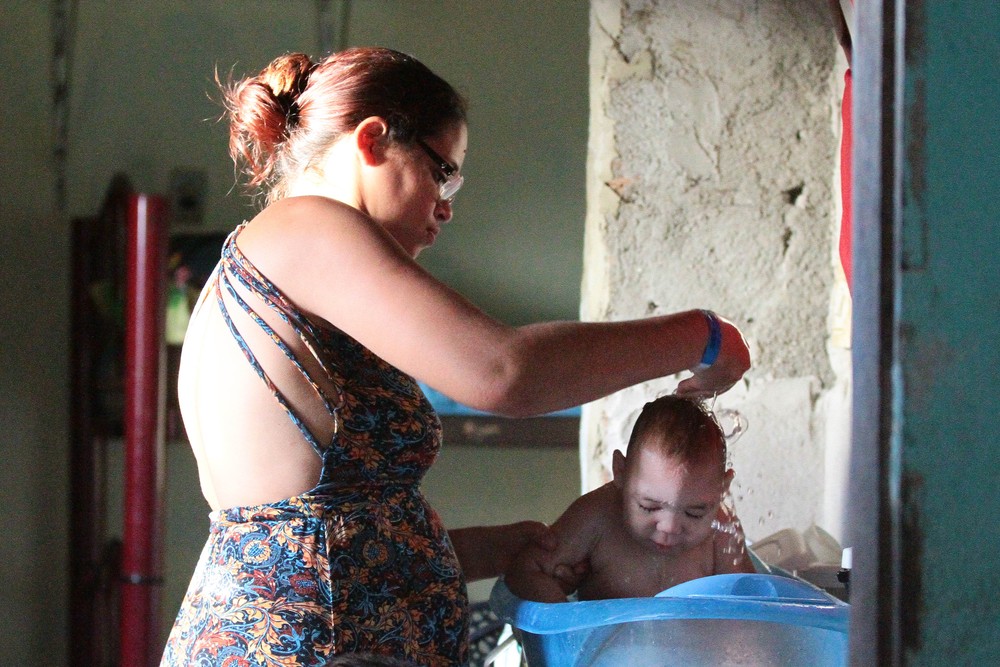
(679, 428)
(286, 117)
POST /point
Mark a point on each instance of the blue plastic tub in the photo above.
(726, 619)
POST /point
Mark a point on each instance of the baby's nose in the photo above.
(670, 523)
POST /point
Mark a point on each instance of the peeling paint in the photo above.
(793, 195)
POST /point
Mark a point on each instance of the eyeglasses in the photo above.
(449, 185)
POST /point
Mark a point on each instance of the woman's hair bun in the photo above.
(286, 77)
(264, 110)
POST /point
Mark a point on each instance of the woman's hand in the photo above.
(488, 551)
(515, 537)
(733, 361)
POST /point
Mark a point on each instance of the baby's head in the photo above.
(673, 476)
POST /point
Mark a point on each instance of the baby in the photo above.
(659, 523)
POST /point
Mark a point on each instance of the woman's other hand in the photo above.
(534, 533)
(489, 551)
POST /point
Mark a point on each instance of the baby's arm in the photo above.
(731, 553)
(533, 573)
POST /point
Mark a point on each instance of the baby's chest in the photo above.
(620, 571)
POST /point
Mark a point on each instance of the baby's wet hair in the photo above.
(682, 429)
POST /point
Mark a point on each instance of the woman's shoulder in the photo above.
(308, 213)
(309, 229)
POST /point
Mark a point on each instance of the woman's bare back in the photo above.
(249, 451)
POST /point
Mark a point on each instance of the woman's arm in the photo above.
(336, 263)
(487, 551)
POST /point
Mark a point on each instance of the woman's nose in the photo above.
(442, 211)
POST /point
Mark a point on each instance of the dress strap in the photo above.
(234, 263)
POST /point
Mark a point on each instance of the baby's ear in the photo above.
(618, 468)
(727, 479)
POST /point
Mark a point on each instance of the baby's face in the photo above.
(669, 507)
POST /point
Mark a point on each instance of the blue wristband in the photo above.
(714, 342)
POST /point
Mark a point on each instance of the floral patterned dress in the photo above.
(361, 563)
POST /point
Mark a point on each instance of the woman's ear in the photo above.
(371, 137)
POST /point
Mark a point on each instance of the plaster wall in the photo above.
(34, 329)
(711, 184)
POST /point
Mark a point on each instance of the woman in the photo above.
(298, 375)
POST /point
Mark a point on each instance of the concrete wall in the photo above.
(710, 183)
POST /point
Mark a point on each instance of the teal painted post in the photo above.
(926, 424)
(947, 401)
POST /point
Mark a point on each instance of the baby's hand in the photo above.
(570, 576)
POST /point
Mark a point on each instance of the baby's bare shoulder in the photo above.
(594, 510)
(582, 526)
